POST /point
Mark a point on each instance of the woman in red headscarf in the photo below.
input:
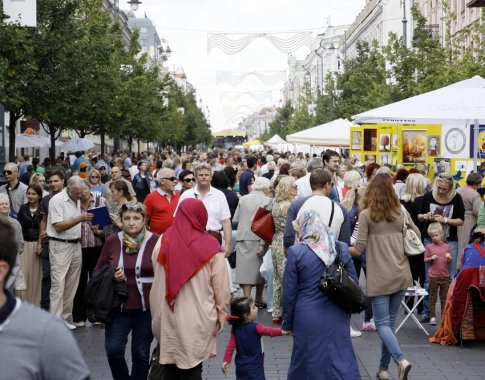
(190, 293)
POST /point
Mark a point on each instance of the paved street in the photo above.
(430, 361)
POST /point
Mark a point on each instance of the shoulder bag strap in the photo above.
(331, 214)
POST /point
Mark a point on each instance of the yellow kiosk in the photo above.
(439, 148)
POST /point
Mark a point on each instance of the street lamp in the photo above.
(164, 53)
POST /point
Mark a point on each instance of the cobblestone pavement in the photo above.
(430, 361)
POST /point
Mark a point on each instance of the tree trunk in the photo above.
(130, 143)
(102, 142)
(11, 137)
(138, 146)
(52, 148)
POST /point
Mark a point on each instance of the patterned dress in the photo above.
(279, 258)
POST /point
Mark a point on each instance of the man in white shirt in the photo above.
(216, 204)
(64, 231)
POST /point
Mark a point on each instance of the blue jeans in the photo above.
(116, 336)
(385, 309)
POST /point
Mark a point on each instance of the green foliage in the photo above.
(280, 124)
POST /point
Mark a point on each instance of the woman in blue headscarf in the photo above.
(322, 347)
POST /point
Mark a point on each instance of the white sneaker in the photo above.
(70, 326)
(80, 324)
(354, 333)
(433, 322)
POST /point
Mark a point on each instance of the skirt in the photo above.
(248, 263)
(31, 265)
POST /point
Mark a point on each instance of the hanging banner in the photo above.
(22, 11)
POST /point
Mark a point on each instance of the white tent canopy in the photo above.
(333, 134)
(463, 100)
(275, 140)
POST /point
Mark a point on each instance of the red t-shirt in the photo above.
(160, 211)
(439, 266)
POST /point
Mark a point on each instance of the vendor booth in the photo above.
(436, 128)
(332, 135)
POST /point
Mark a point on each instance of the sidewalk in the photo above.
(429, 361)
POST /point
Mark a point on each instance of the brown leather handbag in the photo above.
(263, 224)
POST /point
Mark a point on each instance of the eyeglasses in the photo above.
(95, 176)
(7, 172)
(102, 168)
(188, 180)
(169, 178)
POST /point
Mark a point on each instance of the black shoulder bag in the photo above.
(338, 285)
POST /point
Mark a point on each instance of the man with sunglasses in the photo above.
(162, 203)
(16, 190)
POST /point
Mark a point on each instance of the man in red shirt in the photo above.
(162, 203)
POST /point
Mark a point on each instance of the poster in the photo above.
(385, 142)
(357, 140)
(370, 139)
(414, 146)
(481, 141)
(394, 142)
(434, 146)
(455, 141)
(385, 158)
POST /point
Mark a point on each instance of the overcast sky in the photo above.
(186, 23)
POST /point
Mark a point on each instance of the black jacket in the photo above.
(103, 294)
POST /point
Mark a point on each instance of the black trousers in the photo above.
(416, 264)
(46, 276)
(172, 372)
(90, 258)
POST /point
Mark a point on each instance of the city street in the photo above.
(429, 361)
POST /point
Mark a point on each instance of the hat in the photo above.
(83, 165)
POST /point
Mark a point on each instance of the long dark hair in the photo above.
(38, 191)
(240, 307)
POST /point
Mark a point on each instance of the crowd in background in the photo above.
(314, 201)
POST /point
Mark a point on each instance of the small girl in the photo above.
(246, 339)
(437, 256)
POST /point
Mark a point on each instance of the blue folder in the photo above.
(101, 216)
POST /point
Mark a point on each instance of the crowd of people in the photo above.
(175, 218)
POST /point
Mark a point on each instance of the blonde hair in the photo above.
(352, 179)
(415, 187)
(35, 177)
(435, 227)
(448, 179)
(283, 190)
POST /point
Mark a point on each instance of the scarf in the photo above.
(186, 247)
(313, 232)
(132, 245)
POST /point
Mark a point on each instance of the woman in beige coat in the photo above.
(388, 274)
(190, 293)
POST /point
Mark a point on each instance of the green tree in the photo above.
(301, 118)
(280, 123)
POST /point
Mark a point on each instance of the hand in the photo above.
(448, 257)
(95, 229)
(225, 367)
(219, 326)
(86, 217)
(43, 234)
(261, 251)
(38, 249)
(433, 257)
(227, 251)
(119, 275)
(287, 332)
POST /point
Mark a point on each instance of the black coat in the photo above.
(103, 294)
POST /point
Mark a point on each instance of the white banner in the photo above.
(22, 11)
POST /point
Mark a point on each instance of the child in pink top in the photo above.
(438, 255)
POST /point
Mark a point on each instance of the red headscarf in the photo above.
(186, 247)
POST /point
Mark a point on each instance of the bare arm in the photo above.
(227, 228)
(67, 224)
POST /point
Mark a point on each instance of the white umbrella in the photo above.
(29, 141)
(75, 145)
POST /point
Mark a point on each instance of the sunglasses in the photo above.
(7, 172)
(102, 168)
(169, 178)
(188, 180)
(135, 207)
(95, 176)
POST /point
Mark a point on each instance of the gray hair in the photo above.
(76, 182)
(4, 197)
(202, 166)
(261, 183)
(168, 164)
(314, 163)
(164, 172)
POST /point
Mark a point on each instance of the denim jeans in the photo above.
(385, 309)
(116, 336)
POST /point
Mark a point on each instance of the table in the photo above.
(420, 294)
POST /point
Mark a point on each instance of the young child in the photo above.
(246, 339)
(437, 256)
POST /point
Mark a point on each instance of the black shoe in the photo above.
(424, 319)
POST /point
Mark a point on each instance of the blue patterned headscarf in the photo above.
(315, 233)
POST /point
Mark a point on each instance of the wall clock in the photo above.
(455, 140)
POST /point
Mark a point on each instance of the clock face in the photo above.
(455, 140)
